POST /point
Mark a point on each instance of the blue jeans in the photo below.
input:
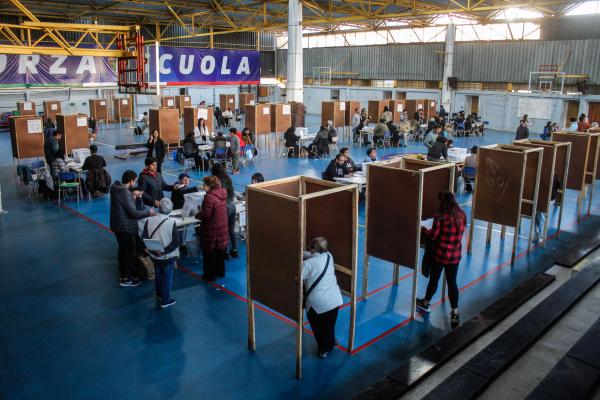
(163, 278)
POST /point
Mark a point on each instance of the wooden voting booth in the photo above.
(258, 118)
(430, 108)
(375, 109)
(99, 110)
(166, 122)
(191, 115)
(282, 216)
(401, 193)
(583, 163)
(506, 189)
(350, 107)
(227, 101)
(26, 136)
(246, 99)
(555, 164)
(167, 102)
(51, 108)
(334, 111)
(397, 108)
(26, 108)
(412, 106)
(596, 130)
(181, 102)
(122, 109)
(281, 117)
(74, 129)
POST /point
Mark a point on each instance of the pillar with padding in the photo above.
(295, 73)
(448, 67)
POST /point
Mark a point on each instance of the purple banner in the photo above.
(188, 66)
(41, 70)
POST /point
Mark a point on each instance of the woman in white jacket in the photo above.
(324, 297)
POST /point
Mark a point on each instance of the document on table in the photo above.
(154, 245)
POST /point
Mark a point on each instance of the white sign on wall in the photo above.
(170, 103)
(266, 110)
(203, 113)
(54, 107)
(27, 106)
(34, 126)
(287, 109)
(81, 121)
(342, 106)
(399, 107)
(102, 102)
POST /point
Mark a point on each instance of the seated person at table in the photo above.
(51, 146)
(98, 180)
(227, 116)
(387, 115)
(60, 166)
(371, 155)
(471, 161)
(331, 132)
(403, 128)
(379, 131)
(438, 150)
(431, 136)
(419, 116)
(220, 140)
(181, 188)
(349, 165)
(336, 168)
(190, 150)
(363, 123)
(292, 141)
(152, 184)
(321, 141)
(201, 131)
(397, 139)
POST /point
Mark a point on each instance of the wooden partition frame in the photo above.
(51, 108)
(555, 163)
(350, 106)
(227, 101)
(596, 130)
(258, 120)
(412, 186)
(281, 216)
(122, 109)
(583, 166)
(397, 107)
(281, 117)
(334, 111)
(99, 109)
(22, 108)
(26, 143)
(181, 102)
(75, 134)
(191, 115)
(375, 109)
(167, 102)
(245, 98)
(166, 122)
(497, 167)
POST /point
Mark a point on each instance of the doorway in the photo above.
(472, 104)
(572, 111)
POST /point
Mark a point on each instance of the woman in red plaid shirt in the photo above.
(446, 240)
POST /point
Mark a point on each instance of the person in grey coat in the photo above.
(152, 184)
(124, 213)
(234, 149)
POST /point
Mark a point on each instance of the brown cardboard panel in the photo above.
(375, 109)
(26, 108)
(168, 102)
(430, 108)
(26, 144)
(336, 225)
(181, 102)
(274, 251)
(411, 107)
(166, 122)
(334, 111)
(547, 173)
(263, 91)
(434, 182)
(350, 107)
(392, 219)
(122, 108)
(258, 118)
(281, 117)
(244, 99)
(51, 108)
(498, 188)
(397, 107)
(99, 109)
(191, 115)
(75, 131)
(291, 188)
(579, 153)
(227, 101)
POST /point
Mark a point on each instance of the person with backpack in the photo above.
(164, 229)
(322, 294)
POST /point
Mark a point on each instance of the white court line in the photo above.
(499, 231)
(104, 144)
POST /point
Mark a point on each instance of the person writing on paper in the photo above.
(371, 155)
(336, 168)
(124, 216)
(156, 149)
(213, 233)
(446, 238)
(349, 166)
(322, 294)
(439, 150)
(162, 245)
(153, 184)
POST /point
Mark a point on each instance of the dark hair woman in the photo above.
(219, 171)
(213, 232)
(445, 237)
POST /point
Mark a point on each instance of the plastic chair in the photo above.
(38, 168)
(221, 157)
(460, 128)
(66, 182)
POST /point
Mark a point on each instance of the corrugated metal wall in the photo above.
(476, 61)
(241, 40)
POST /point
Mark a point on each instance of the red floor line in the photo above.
(85, 217)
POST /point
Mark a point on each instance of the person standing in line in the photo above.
(163, 228)
(234, 148)
(355, 120)
(156, 149)
(323, 295)
(125, 209)
(219, 171)
(446, 238)
(213, 231)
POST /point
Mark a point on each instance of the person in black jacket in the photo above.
(181, 188)
(125, 209)
(349, 166)
(156, 149)
(97, 178)
(292, 140)
(522, 131)
(335, 169)
(152, 184)
(438, 150)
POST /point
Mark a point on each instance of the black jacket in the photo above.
(93, 162)
(350, 166)
(522, 133)
(334, 170)
(153, 187)
(177, 196)
(161, 149)
(438, 150)
(291, 139)
(124, 212)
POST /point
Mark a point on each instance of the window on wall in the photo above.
(587, 8)
(383, 83)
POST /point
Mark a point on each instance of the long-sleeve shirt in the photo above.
(446, 235)
(326, 295)
(166, 233)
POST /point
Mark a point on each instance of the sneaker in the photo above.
(454, 318)
(130, 282)
(234, 254)
(421, 305)
(323, 354)
(168, 304)
(136, 282)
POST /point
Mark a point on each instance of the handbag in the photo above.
(315, 283)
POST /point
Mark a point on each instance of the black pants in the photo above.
(159, 164)
(126, 255)
(435, 273)
(323, 326)
(214, 264)
(231, 221)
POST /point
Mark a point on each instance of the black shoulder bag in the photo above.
(315, 283)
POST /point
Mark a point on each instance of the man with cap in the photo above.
(180, 188)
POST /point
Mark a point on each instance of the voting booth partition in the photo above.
(258, 118)
(99, 110)
(281, 117)
(245, 99)
(350, 107)
(397, 108)
(181, 102)
(51, 108)
(74, 129)
(555, 167)
(227, 101)
(430, 108)
(122, 109)
(506, 190)
(191, 115)
(375, 109)
(583, 164)
(167, 101)
(393, 234)
(333, 112)
(26, 136)
(596, 130)
(26, 108)
(282, 217)
(166, 122)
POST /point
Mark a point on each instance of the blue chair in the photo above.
(460, 127)
(37, 172)
(221, 157)
(248, 153)
(67, 181)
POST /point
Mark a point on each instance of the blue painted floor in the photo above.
(69, 331)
